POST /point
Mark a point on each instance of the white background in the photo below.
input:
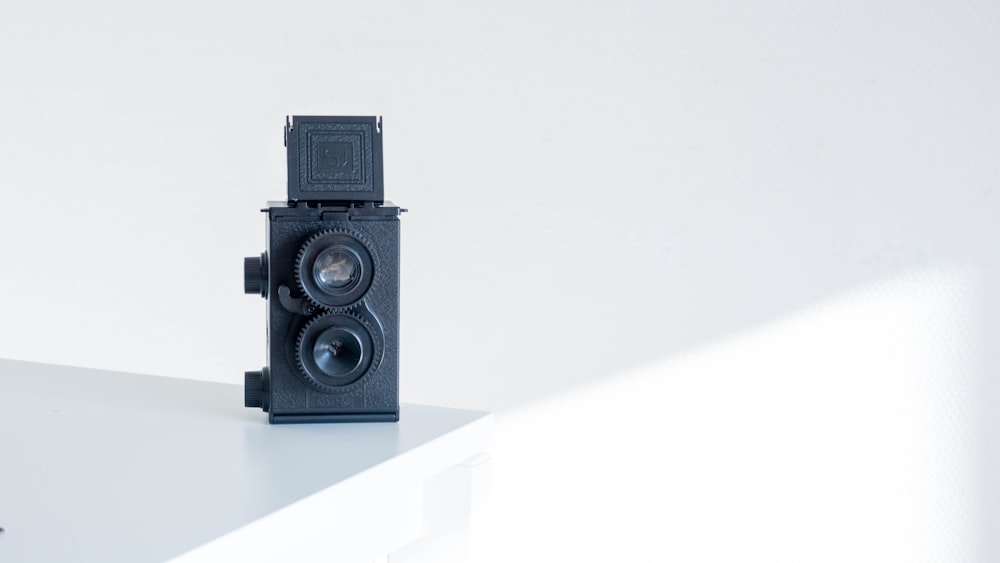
(727, 273)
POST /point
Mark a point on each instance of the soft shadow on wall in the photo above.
(692, 183)
(591, 256)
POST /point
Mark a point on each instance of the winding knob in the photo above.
(255, 390)
(255, 275)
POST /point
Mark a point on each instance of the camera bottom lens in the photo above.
(338, 351)
(335, 350)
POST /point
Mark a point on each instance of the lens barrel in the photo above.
(335, 350)
(334, 269)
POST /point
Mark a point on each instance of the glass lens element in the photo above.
(338, 351)
(335, 269)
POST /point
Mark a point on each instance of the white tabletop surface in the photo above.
(105, 466)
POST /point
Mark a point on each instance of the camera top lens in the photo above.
(334, 268)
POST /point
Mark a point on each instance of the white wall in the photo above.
(600, 192)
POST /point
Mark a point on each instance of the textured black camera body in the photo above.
(330, 276)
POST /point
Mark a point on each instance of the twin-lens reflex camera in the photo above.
(330, 276)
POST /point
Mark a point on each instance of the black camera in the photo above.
(330, 276)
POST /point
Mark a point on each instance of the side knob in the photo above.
(255, 275)
(255, 389)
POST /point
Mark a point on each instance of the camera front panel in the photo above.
(333, 316)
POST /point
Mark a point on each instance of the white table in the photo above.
(114, 467)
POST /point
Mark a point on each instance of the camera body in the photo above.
(330, 276)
